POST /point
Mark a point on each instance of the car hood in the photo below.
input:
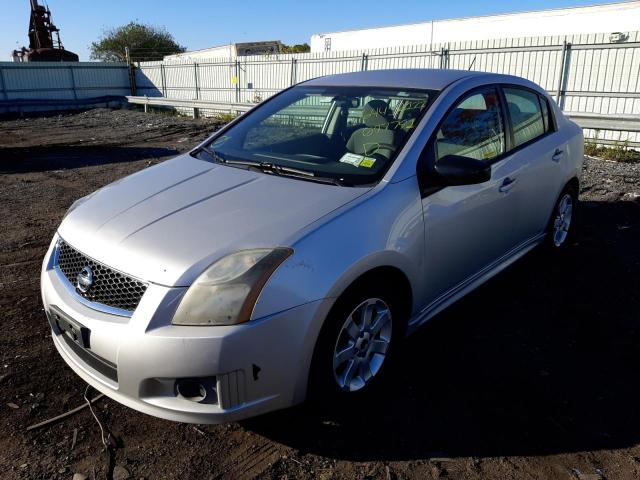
(167, 223)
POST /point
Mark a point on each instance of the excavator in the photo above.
(44, 39)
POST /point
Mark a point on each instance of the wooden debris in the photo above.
(64, 415)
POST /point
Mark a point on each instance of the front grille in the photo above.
(110, 287)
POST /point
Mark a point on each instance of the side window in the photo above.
(473, 128)
(526, 115)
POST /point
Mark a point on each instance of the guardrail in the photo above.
(592, 121)
(595, 123)
(195, 105)
(602, 121)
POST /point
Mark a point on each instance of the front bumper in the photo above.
(250, 369)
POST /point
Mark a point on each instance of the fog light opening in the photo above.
(191, 390)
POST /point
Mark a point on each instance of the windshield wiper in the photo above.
(295, 173)
(273, 169)
(313, 178)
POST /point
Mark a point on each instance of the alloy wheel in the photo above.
(362, 345)
(562, 221)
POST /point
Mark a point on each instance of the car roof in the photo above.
(418, 78)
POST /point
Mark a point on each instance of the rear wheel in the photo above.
(561, 226)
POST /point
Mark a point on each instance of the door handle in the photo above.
(507, 184)
(557, 155)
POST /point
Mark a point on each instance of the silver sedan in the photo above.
(290, 253)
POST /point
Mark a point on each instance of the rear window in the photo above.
(527, 118)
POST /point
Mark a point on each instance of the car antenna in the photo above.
(472, 62)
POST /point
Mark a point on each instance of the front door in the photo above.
(468, 228)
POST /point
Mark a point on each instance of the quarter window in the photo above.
(526, 114)
(474, 128)
(545, 114)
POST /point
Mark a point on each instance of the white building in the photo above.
(607, 18)
(232, 50)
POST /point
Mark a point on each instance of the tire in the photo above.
(561, 228)
(367, 350)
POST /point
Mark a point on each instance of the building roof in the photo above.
(419, 78)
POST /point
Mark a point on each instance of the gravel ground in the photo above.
(533, 376)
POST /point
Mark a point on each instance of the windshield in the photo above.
(348, 135)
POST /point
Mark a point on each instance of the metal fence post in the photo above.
(565, 61)
(365, 62)
(444, 57)
(73, 83)
(196, 111)
(294, 72)
(237, 81)
(163, 80)
(196, 79)
(3, 83)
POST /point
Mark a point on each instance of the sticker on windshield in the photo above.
(352, 159)
(358, 160)
(367, 162)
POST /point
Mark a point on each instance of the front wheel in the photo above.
(355, 345)
(561, 226)
(362, 345)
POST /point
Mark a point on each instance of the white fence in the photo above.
(584, 73)
(44, 85)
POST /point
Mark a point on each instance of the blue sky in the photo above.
(200, 24)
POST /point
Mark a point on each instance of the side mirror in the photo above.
(458, 170)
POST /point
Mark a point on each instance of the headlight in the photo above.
(226, 292)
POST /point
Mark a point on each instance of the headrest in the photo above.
(376, 114)
(514, 109)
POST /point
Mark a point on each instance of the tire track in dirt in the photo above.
(249, 462)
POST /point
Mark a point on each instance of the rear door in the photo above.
(468, 228)
(540, 151)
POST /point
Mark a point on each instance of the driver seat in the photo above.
(375, 138)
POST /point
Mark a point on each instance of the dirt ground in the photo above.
(533, 376)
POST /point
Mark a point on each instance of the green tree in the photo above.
(145, 42)
(298, 48)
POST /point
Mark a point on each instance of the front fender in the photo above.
(384, 229)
